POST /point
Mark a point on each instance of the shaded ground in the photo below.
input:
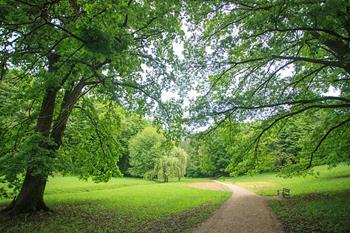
(244, 212)
(70, 218)
(315, 212)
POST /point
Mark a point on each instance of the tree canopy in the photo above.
(272, 61)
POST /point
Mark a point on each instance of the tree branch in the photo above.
(324, 138)
(325, 98)
(312, 60)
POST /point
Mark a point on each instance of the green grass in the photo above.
(317, 203)
(121, 205)
(328, 180)
(67, 184)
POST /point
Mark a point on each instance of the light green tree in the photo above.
(145, 148)
(172, 165)
(180, 160)
(164, 168)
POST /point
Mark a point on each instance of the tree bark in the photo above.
(31, 195)
(69, 100)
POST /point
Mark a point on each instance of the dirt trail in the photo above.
(244, 212)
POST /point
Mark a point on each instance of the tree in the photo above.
(286, 143)
(208, 152)
(226, 147)
(131, 124)
(94, 140)
(145, 148)
(172, 165)
(164, 168)
(67, 49)
(272, 61)
(191, 146)
(180, 159)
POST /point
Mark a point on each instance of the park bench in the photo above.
(285, 193)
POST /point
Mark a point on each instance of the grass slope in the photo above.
(121, 205)
(327, 180)
(317, 204)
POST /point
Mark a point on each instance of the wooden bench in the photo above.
(285, 193)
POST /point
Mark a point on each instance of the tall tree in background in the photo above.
(65, 49)
(96, 140)
(273, 60)
(131, 125)
(145, 148)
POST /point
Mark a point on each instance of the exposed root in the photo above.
(16, 209)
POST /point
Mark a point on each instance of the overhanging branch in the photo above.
(324, 138)
(303, 101)
(311, 60)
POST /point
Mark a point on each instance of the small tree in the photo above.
(173, 165)
(164, 168)
(180, 157)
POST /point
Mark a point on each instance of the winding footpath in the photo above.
(243, 212)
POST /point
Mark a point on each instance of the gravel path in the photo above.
(244, 212)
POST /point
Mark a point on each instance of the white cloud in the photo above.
(178, 50)
(332, 91)
(169, 95)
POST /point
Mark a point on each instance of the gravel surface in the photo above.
(243, 212)
(210, 185)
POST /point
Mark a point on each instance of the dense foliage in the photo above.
(95, 143)
(145, 148)
(266, 62)
(172, 165)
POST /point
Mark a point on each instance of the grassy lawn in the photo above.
(120, 205)
(317, 204)
(328, 180)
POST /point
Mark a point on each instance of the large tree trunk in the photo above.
(31, 195)
(69, 100)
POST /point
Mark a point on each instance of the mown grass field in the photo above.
(317, 204)
(120, 205)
